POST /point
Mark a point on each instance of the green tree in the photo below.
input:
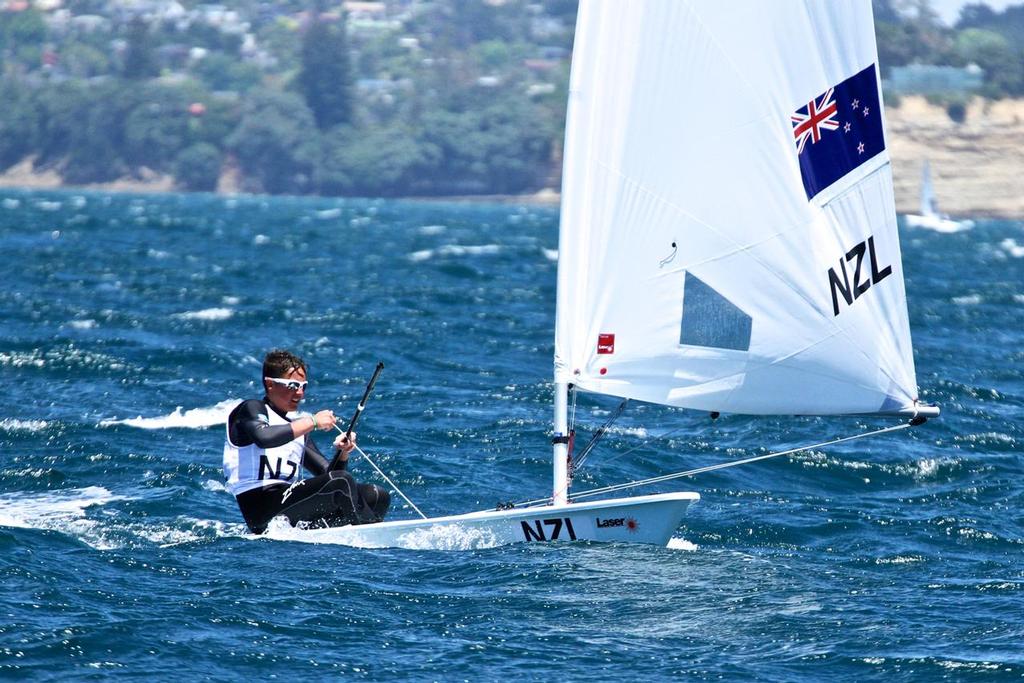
(275, 143)
(220, 71)
(22, 35)
(19, 123)
(139, 58)
(1004, 70)
(325, 78)
(499, 144)
(197, 168)
(157, 128)
(97, 136)
(380, 162)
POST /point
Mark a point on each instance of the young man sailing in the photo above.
(265, 451)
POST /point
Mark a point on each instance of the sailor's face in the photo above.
(282, 397)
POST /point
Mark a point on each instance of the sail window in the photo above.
(709, 319)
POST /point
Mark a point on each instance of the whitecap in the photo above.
(10, 424)
(900, 559)
(87, 324)
(215, 485)
(640, 432)
(206, 314)
(550, 254)
(11, 203)
(471, 250)
(432, 229)
(968, 300)
(456, 250)
(231, 300)
(327, 214)
(1012, 248)
(260, 239)
(196, 418)
(681, 544)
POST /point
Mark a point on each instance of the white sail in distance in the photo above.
(728, 229)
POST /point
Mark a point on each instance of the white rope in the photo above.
(381, 473)
(720, 466)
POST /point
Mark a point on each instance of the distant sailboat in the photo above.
(728, 242)
(930, 217)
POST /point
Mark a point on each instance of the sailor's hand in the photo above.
(345, 444)
(325, 419)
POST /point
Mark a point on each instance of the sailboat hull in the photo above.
(937, 223)
(643, 519)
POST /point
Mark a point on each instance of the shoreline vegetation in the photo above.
(457, 100)
(977, 165)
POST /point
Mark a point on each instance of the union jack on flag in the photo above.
(808, 121)
(844, 126)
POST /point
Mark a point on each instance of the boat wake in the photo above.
(66, 512)
(196, 418)
(436, 537)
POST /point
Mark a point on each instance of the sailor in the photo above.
(265, 451)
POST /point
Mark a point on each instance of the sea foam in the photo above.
(206, 314)
(196, 418)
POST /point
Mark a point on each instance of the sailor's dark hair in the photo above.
(279, 363)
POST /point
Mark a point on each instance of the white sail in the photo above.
(929, 207)
(707, 258)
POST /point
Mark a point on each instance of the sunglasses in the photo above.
(292, 384)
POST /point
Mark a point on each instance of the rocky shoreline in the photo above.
(977, 166)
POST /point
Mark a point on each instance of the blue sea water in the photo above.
(130, 324)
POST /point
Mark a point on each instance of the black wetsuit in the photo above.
(329, 498)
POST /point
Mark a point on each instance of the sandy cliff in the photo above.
(977, 166)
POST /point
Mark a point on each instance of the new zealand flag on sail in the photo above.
(838, 131)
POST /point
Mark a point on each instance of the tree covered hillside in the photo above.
(395, 98)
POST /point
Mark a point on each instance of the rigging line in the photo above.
(391, 483)
(381, 473)
(600, 433)
(572, 414)
(719, 466)
(734, 463)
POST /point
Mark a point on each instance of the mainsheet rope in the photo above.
(381, 473)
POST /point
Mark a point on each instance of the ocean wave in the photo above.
(61, 511)
(455, 250)
(681, 544)
(206, 314)
(196, 418)
(328, 214)
(10, 424)
(1010, 246)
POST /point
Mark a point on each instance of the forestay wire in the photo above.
(719, 466)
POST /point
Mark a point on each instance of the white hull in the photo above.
(643, 519)
(937, 223)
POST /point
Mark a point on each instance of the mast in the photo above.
(560, 456)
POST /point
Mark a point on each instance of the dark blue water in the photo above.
(129, 324)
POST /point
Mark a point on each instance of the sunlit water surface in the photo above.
(132, 324)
